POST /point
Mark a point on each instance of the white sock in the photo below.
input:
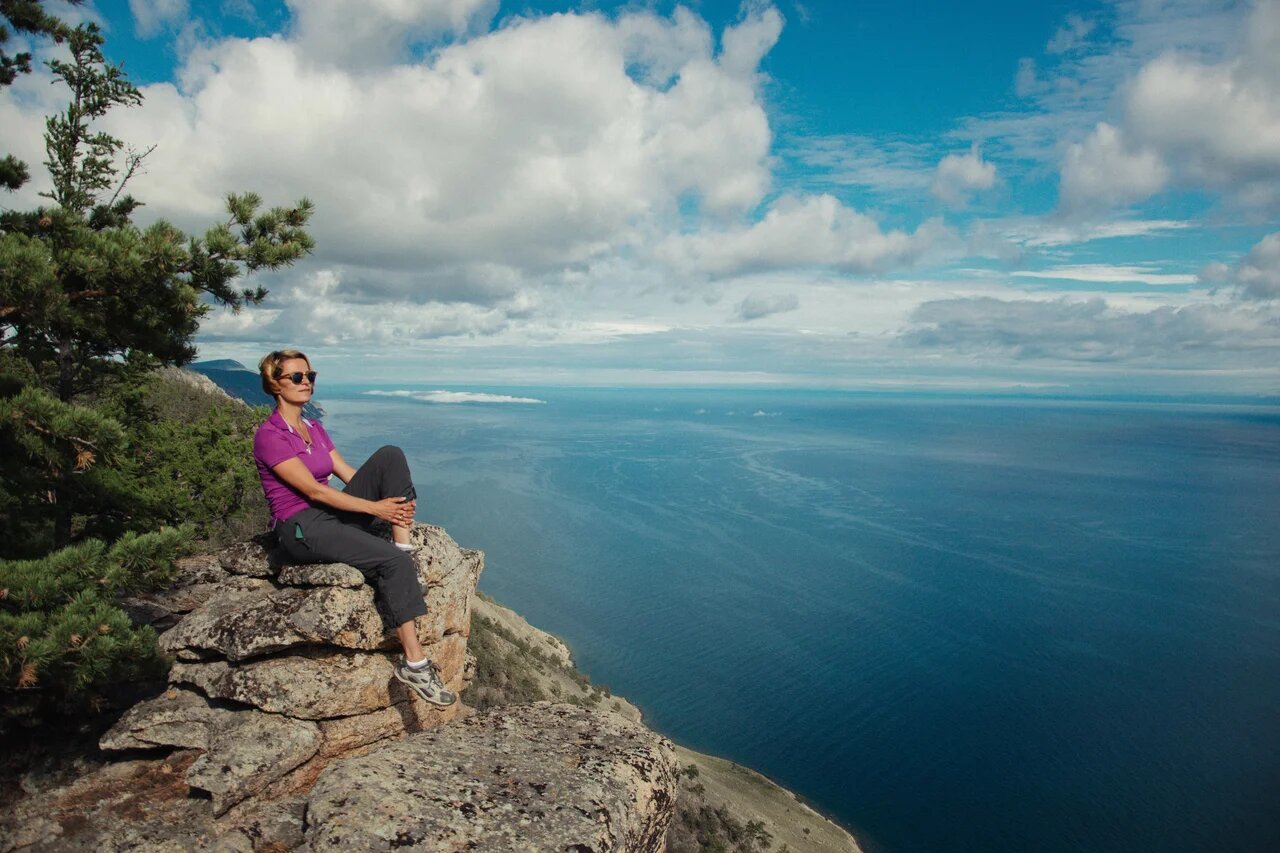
(404, 546)
(418, 664)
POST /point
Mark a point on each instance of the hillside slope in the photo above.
(721, 805)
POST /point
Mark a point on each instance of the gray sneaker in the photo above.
(425, 682)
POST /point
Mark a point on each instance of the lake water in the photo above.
(951, 624)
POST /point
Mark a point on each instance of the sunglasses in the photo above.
(296, 378)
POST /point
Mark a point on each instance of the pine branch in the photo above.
(132, 161)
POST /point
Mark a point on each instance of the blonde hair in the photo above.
(269, 368)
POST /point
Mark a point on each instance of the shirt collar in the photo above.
(278, 420)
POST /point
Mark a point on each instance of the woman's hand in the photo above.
(396, 511)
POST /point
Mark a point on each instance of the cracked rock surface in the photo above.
(256, 618)
(243, 750)
(528, 777)
(284, 729)
(283, 668)
(315, 684)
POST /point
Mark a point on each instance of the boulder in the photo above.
(126, 805)
(273, 826)
(344, 734)
(256, 618)
(281, 670)
(249, 615)
(321, 574)
(196, 580)
(205, 568)
(248, 753)
(244, 750)
(316, 684)
(248, 558)
(530, 777)
(176, 718)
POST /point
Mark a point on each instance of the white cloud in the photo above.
(1044, 233)
(1256, 277)
(497, 161)
(312, 309)
(1092, 330)
(1109, 273)
(455, 397)
(242, 9)
(1026, 81)
(1259, 273)
(1070, 35)
(1067, 94)
(888, 166)
(603, 190)
(1191, 121)
(960, 175)
(150, 17)
(757, 306)
(802, 231)
(364, 33)
(1104, 170)
(742, 47)
(1219, 123)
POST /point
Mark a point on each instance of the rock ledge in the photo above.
(285, 730)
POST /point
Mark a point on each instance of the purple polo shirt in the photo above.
(274, 442)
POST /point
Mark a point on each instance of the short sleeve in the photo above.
(271, 446)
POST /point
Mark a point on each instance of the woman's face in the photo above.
(290, 391)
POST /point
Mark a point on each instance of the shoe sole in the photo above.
(418, 691)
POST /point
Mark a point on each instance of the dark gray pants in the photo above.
(324, 535)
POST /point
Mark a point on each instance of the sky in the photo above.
(1054, 198)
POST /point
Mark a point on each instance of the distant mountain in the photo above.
(242, 383)
(219, 364)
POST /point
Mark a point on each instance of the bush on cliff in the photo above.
(191, 447)
(90, 306)
(506, 667)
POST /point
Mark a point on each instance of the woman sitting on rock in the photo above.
(317, 523)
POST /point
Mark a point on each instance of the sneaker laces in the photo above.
(430, 670)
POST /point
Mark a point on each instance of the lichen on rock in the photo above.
(279, 673)
(529, 777)
(285, 729)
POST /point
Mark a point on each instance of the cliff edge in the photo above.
(720, 805)
(283, 729)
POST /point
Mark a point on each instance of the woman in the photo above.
(317, 523)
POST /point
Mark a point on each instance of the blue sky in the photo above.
(1057, 197)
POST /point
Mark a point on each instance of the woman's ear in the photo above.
(274, 386)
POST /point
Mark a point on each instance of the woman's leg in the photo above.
(318, 536)
(315, 535)
(385, 474)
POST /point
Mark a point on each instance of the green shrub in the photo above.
(63, 641)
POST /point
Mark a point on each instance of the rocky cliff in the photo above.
(283, 729)
(719, 805)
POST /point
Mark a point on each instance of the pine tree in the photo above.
(90, 304)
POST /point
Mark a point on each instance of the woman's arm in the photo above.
(398, 511)
(341, 467)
